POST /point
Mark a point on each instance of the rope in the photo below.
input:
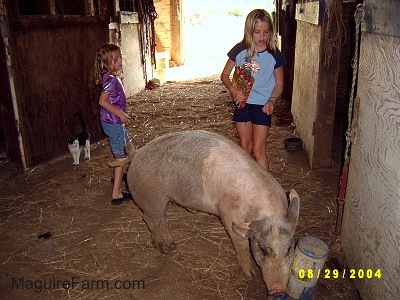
(333, 29)
(147, 15)
(358, 16)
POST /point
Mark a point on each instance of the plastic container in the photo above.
(306, 267)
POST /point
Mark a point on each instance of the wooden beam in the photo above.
(381, 17)
(58, 22)
(311, 12)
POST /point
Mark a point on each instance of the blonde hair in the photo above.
(258, 15)
(103, 59)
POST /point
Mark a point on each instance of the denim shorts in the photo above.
(252, 113)
(117, 137)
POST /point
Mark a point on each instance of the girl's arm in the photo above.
(278, 74)
(276, 93)
(103, 101)
(234, 92)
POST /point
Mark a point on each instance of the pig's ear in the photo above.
(242, 229)
(294, 208)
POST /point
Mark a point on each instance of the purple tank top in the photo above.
(112, 85)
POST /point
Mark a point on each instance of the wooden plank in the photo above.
(49, 93)
(58, 22)
(371, 221)
(7, 113)
(381, 17)
(305, 85)
(311, 12)
(128, 17)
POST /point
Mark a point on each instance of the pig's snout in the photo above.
(277, 290)
(277, 293)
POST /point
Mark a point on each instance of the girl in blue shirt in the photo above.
(258, 54)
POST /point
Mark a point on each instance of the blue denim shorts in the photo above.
(252, 113)
(117, 137)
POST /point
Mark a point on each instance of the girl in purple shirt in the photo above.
(113, 116)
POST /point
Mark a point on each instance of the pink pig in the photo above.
(204, 171)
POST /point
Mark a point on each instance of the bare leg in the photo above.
(117, 186)
(260, 134)
(244, 130)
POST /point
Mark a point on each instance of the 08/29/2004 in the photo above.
(336, 274)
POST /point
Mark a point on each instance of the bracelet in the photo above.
(273, 101)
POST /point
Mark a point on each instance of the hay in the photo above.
(95, 241)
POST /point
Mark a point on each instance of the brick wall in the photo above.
(168, 28)
(163, 25)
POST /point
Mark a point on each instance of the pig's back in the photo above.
(191, 149)
(196, 169)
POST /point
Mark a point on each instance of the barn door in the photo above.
(11, 145)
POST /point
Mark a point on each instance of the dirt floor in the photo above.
(92, 241)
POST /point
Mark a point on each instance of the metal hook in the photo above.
(359, 13)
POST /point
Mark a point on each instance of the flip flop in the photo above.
(125, 197)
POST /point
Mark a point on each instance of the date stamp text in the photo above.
(336, 274)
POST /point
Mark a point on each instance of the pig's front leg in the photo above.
(241, 244)
(243, 254)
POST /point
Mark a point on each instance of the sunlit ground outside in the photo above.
(211, 29)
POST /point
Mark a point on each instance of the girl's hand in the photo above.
(236, 95)
(124, 118)
(268, 108)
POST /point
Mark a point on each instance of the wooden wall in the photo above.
(371, 221)
(52, 82)
(51, 57)
(346, 55)
(305, 85)
(134, 78)
(7, 120)
(322, 73)
(287, 27)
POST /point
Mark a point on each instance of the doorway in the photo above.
(210, 30)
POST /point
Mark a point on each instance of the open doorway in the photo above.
(210, 30)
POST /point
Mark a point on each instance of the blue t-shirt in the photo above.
(264, 63)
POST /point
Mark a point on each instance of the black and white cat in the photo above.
(80, 142)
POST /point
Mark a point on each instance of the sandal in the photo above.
(125, 197)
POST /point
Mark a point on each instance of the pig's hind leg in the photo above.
(157, 224)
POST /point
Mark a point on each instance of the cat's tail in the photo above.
(119, 162)
(81, 120)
